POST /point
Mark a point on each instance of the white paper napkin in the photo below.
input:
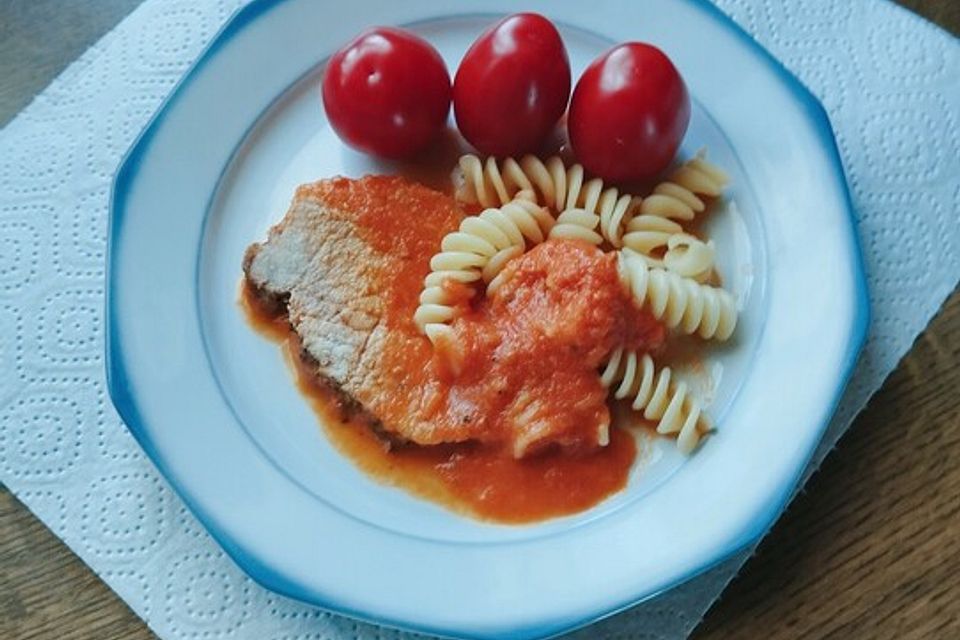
(890, 81)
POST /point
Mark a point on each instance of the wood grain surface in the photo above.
(871, 549)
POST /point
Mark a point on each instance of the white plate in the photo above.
(212, 402)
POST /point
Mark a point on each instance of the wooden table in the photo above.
(870, 550)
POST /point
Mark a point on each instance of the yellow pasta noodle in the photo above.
(680, 303)
(577, 224)
(611, 208)
(596, 213)
(478, 250)
(658, 395)
(684, 254)
(490, 184)
(552, 184)
(679, 197)
(689, 256)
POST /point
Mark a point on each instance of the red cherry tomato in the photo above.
(512, 85)
(628, 114)
(387, 92)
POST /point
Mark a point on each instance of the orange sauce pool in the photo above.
(469, 478)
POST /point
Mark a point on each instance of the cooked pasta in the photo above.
(478, 250)
(577, 224)
(595, 214)
(682, 253)
(612, 209)
(689, 256)
(679, 197)
(554, 185)
(660, 397)
(680, 303)
(685, 255)
(490, 185)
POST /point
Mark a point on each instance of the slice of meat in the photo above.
(347, 262)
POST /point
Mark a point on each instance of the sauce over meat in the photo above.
(518, 378)
(522, 365)
(472, 478)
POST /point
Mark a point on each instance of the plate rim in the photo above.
(259, 570)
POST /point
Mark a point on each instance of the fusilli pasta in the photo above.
(577, 224)
(650, 224)
(683, 253)
(552, 184)
(490, 185)
(679, 197)
(478, 250)
(681, 303)
(689, 256)
(595, 214)
(612, 209)
(661, 398)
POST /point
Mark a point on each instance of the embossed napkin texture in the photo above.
(891, 84)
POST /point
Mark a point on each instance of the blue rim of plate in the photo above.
(126, 406)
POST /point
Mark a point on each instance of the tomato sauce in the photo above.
(471, 478)
(520, 377)
(522, 365)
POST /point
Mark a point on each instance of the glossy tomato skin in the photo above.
(387, 92)
(512, 86)
(628, 113)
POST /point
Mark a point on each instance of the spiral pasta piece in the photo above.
(577, 224)
(684, 254)
(680, 197)
(647, 224)
(680, 303)
(594, 213)
(478, 250)
(490, 184)
(612, 209)
(658, 395)
(689, 256)
(554, 185)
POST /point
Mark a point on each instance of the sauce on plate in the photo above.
(469, 478)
